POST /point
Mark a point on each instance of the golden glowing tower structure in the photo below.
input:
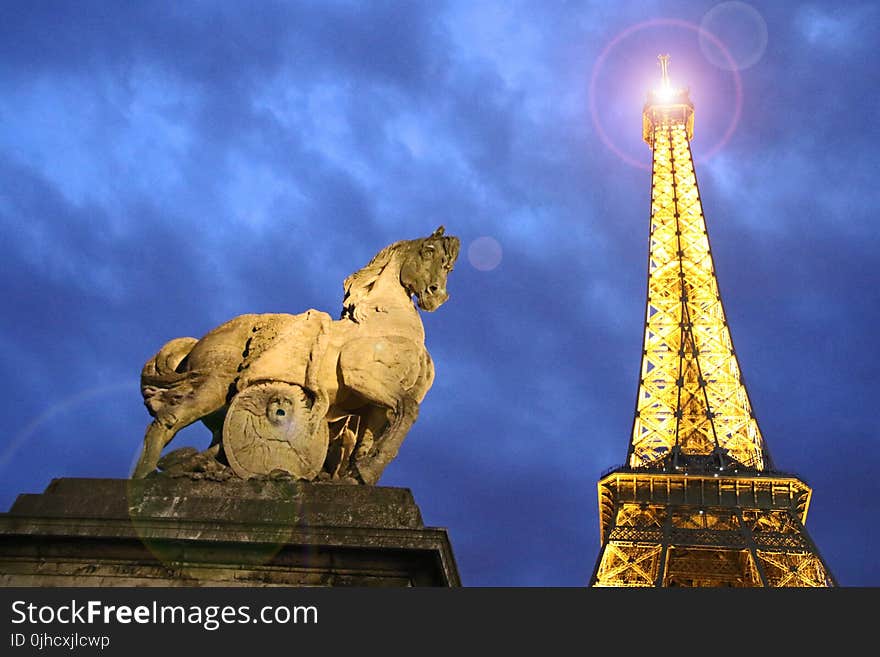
(698, 502)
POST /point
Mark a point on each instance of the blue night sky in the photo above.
(167, 166)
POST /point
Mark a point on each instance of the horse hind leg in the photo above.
(179, 406)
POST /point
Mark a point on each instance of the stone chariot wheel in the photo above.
(271, 426)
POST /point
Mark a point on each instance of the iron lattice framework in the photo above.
(698, 502)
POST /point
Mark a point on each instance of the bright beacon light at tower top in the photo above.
(667, 105)
(665, 93)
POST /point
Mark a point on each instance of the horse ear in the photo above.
(439, 232)
(453, 244)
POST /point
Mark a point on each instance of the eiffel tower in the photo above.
(698, 501)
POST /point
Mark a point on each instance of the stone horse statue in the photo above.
(303, 395)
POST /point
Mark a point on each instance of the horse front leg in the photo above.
(370, 462)
(391, 373)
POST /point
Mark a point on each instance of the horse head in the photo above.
(425, 267)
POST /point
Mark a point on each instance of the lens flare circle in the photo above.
(485, 253)
(741, 27)
(278, 525)
(665, 22)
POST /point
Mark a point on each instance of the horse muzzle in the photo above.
(432, 298)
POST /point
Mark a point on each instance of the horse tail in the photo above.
(164, 370)
(166, 362)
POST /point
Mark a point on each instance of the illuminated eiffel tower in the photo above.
(698, 502)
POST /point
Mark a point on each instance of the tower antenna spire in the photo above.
(664, 70)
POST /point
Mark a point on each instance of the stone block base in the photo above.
(164, 531)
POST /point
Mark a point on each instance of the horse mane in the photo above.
(359, 284)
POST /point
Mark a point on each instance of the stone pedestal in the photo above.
(164, 531)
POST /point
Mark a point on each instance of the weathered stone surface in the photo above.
(166, 531)
(353, 386)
